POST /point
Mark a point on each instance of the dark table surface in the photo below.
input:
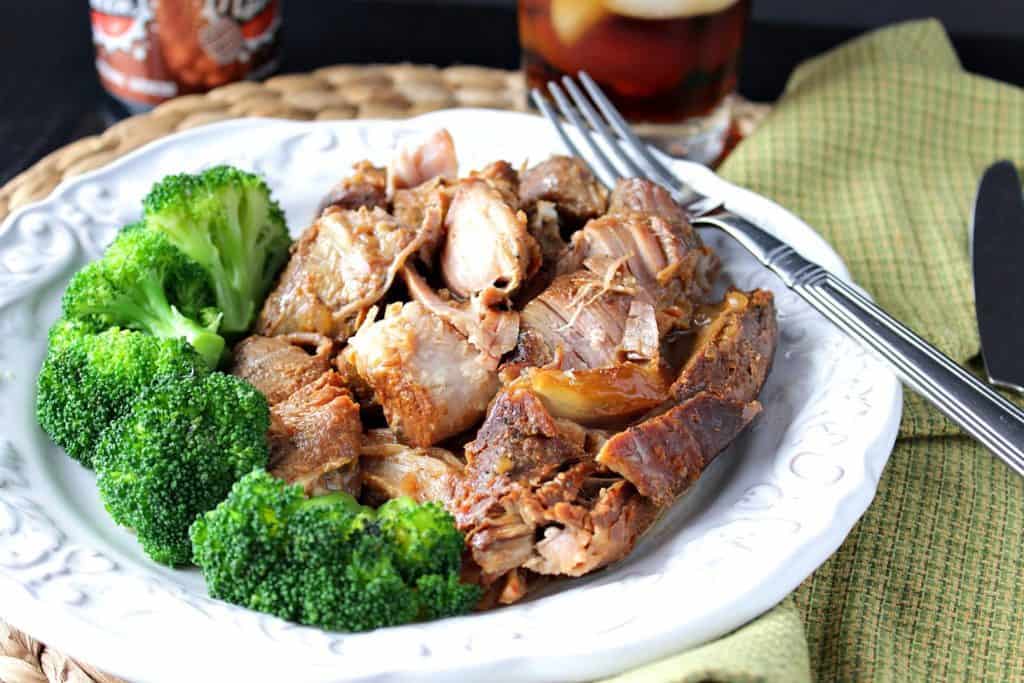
(50, 94)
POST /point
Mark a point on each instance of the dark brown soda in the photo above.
(655, 70)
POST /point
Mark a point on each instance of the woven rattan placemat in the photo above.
(345, 91)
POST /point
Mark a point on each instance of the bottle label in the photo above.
(148, 51)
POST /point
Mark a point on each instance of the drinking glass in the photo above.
(668, 65)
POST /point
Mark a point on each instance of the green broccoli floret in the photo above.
(88, 380)
(176, 454)
(226, 221)
(329, 561)
(424, 535)
(144, 283)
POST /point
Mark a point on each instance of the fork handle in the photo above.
(966, 400)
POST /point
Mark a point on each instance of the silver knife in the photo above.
(997, 256)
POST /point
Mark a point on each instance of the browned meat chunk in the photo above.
(367, 186)
(571, 525)
(636, 195)
(424, 208)
(431, 382)
(416, 164)
(578, 322)
(533, 498)
(667, 258)
(664, 454)
(733, 352)
(342, 265)
(391, 469)
(574, 544)
(544, 225)
(280, 366)
(568, 183)
(491, 331)
(521, 440)
(315, 436)
(502, 177)
(488, 251)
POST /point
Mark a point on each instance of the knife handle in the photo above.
(976, 407)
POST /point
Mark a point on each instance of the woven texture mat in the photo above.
(337, 92)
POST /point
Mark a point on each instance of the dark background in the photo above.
(50, 94)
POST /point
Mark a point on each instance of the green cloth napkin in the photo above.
(879, 144)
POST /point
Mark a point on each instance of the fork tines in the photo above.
(605, 134)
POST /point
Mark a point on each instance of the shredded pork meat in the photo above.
(532, 496)
(548, 363)
(673, 268)
(488, 251)
(491, 331)
(342, 265)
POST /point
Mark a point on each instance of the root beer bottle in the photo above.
(148, 51)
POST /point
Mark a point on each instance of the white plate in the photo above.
(765, 515)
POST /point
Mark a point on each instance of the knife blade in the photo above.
(997, 260)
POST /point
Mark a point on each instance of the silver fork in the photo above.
(980, 411)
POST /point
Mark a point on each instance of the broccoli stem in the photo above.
(164, 320)
(209, 345)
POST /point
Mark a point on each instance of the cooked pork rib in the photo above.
(431, 382)
(569, 184)
(280, 366)
(416, 164)
(733, 352)
(342, 265)
(666, 453)
(488, 251)
(367, 186)
(315, 435)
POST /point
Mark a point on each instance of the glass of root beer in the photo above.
(668, 65)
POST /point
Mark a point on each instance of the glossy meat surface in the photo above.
(568, 184)
(663, 455)
(733, 351)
